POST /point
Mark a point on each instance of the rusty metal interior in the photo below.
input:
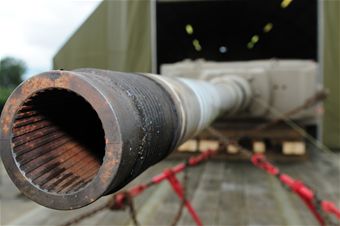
(58, 141)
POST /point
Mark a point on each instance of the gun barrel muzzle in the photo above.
(70, 137)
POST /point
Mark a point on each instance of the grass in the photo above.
(4, 94)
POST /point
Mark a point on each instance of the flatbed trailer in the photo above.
(223, 193)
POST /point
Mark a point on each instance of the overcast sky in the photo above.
(34, 30)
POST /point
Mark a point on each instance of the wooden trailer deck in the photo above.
(222, 192)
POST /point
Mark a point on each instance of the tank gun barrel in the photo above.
(70, 137)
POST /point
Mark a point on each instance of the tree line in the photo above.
(11, 72)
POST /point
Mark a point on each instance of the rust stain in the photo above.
(35, 84)
(64, 80)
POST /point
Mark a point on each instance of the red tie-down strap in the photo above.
(192, 161)
(177, 187)
(298, 187)
(330, 208)
(260, 161)
(120, 199)
(170, 175)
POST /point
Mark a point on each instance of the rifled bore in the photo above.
(71, 137)
(58, 140)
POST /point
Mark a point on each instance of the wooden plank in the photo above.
(168, 205)
(285, 204)
(45, 216)
(208, 145)
(223, 193)
(260, 207)
(123, 217)
(146, 215)
(13, 204)
(232, 198)
(296, 204)
(232, 149)
(259, 147)
(190, 145)
(293, 148)
(322, 175)
(207, 195)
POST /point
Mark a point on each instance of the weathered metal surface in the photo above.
(70, 137)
